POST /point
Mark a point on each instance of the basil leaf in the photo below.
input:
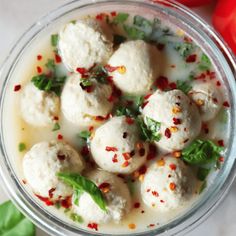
(133, 32)
(118, 39)
(205, 63)
(120, 18)
(21, 147)
(54, 39)
(56, 127)
(124, 111)
(149, 129)
(13, 222)
(201, 152)
(202, 173)
(184, 86)
(78, 182)
(84, 134)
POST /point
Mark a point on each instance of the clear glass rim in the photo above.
(52, 224)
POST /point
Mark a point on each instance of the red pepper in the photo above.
(224, 21)
(195, 3)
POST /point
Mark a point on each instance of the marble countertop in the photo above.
(16, 16)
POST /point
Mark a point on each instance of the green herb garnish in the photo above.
(205, 63)
(86, 82)
(149, 129)
(51, 65)
(133, 32)
(54, 39)
(184, 86)
(76, 218)
(120, 18)
(202, 173)
(124, 111)
(201, 152)
(56, 127)
(21, 147)
(13, 222)
(73, 22)
(81, 183)
(85, 134)
(184, 49)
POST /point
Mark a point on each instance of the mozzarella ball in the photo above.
(208, 99)
(43, 161)
(83, 44)
(116, 194)
(116, 146)
(137, 67)
(179, 118)
(38, 108)
(167, 184)
(80, 106)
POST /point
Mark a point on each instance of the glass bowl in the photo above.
(205, 36)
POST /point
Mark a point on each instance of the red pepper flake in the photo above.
(55, 118)
(57, 58)
(142, 170)
(111, 98)
(46, 200)
(155, 194)
(162, 201)
(125, 134)
(152, 152)
(176, 121)
(81, 70)
(136, 205)
(172, 186)
(93, 226)
(141, 152)
(59, 137)
(205, 128)
(167, 133)
(61, 157)
(50, 192)
(147, 96)
(145, 104)
(187, 39)
(17, 87)
(172, 166)
(162, 83)
(100, 16)
(104, 185)
(148, 190)
(191, 58)
(67, 202)
(125, 164)
(126, 155)
(114, 159)
(215, 100)
(129, 120)
(111, 68)
(226, 104)
(24, 181)
(90, 128)
(173, 85)
(212, 75)
(85, 151)
(113, 13)
(111, 149)
(201, 76)
(160, 46)
(39, 57)
(218, 83)
(221, 159)
(39, 69)
(221, 143)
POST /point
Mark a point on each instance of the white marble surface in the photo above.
(17, 15)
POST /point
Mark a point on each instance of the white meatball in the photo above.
(82, 44)
(43, 161)
(117, 198)
(38, 108)
(167, 184)
(81, 107)
(208, 99)
(116, 147)
(137, 67)
(179, 118)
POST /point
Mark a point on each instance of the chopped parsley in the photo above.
(50, 65)
(21, 147)
(184, 86)
(133, 32)
(85, 134)
(184, 49)
(56, 127)
(202, 173)
(120, 18)
(54, 40)
(205, 63)
(85, 82)
(76, 218)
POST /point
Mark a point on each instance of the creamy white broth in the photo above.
(218, 130)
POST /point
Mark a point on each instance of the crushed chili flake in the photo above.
(129, 120)
(50, 192)
(113, 13)
(104, 187)
(215, 100)
(173, 85)
(148, 190)
(147, 96)
(132, 226)
(212, 75)
(172, 186)
(90, 128)
(176, 121)
(126, 155)
(160, 46)
(145, 104)
(67, 202)
(93, 226)
(101, 118)
(221, 143)
(125, 134)
(114, 159)
(39, 69)
(111, 68)
(155, 194)
(218, 83)
(61, 157)
(177, 154)
(205, 128)
(17, 87)
(172, 166)
(59, 137)
(39, 57)
(111, 149)
(142, 170)
(162, 201)
(100, 16)
(57, 58)
(162, 83)
(226, 104)
(221, 159)
(191, 58)
(125, 164)
(81, 70)
(167, 133)
(55, 118)
(85, 151)
(136, 205)
(152, 152)
(46, 200)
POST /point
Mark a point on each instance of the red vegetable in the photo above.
(224, 21)
(195, 3)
